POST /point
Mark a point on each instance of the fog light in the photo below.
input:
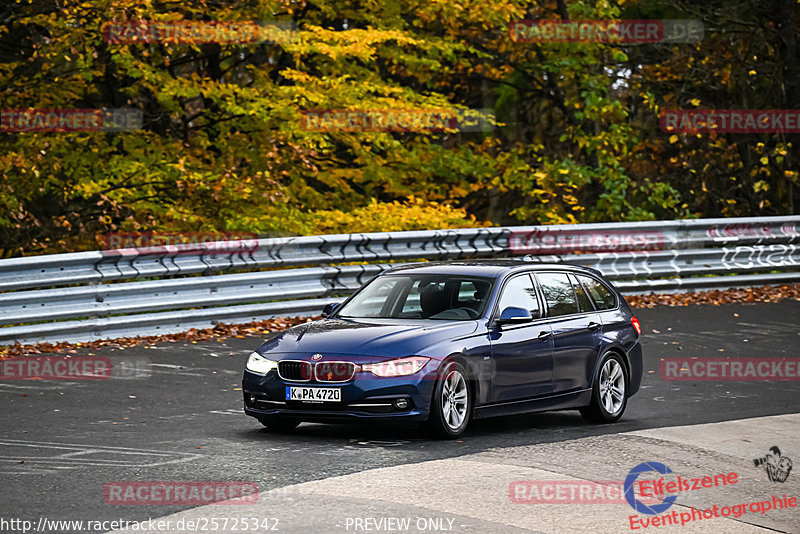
(401, 404)
(252, 399)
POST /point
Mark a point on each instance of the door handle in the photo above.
(544, 335)
(593, 325)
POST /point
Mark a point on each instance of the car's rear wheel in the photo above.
(279, 424)
(452, 402)
(609, 393)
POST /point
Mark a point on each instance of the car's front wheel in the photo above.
(279, 424)
(452, 402)
(609, 393)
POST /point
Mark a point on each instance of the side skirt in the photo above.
(565, 401)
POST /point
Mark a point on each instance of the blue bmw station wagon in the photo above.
(445, 343)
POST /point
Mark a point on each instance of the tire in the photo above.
(609, 392)
(451, 406)
(279, 424)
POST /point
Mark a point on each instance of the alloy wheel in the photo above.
(455, 400)
(612, 386)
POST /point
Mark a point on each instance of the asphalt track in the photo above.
(178, 417)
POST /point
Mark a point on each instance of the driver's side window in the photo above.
(521, 293)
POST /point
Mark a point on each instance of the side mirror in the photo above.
(328, 310)
(514, 315)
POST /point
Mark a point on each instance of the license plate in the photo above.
(305, 394)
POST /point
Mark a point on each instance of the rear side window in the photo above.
(602, 297)
(558, 293)
(583, 299)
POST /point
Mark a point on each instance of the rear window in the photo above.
(602, 297)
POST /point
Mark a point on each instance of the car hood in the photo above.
(367, 337)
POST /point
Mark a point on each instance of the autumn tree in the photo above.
(224, 145)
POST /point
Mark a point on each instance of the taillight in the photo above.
(636, 325)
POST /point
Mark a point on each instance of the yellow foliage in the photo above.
(413, 214)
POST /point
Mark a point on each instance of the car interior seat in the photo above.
(432, 300)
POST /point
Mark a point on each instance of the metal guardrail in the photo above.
(149, 291)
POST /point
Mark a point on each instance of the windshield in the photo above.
(409, 296)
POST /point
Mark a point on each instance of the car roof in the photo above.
(495, 268)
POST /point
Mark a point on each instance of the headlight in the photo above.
(256, 363)
(399, 367)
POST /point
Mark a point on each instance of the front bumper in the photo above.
(365, 397)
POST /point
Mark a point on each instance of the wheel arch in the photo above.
(626, 365)
(472, 374)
